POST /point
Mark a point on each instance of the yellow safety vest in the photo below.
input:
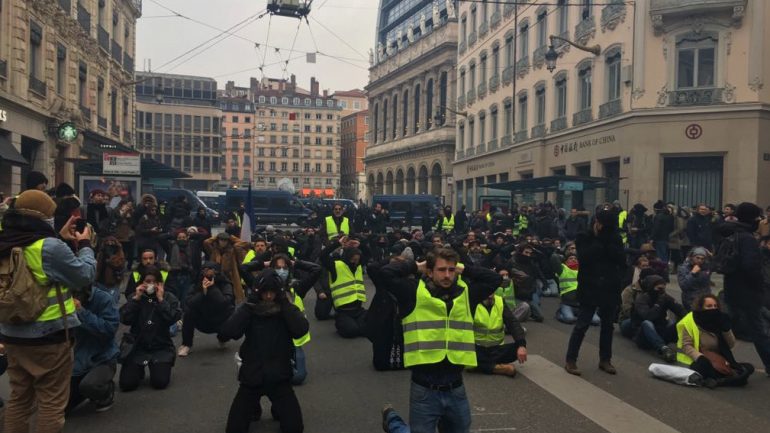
(331, 227)
(568, 281)
(33, 254)
(250, 255)
(622, 216)
(163, 275)
(508, 294)
(448, 224)
(348, 287)
(488, 326)
(432, 335)
(687, 323)
(291, 251)
(301, 341)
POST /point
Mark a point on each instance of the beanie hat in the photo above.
(748, 213)
(649, 282)
(659, 205)
(699, 251)
(211, 265)
(64, 190)
(35, 178)
(36, 204)
(269, 281)
(607, 218)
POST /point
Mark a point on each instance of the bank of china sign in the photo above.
(121, 163)
(578, 145)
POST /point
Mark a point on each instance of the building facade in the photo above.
(238, 127)
(64, 61)
(673, 105)
(411, 83)
(354, 140)
(351, 101)
(178, 122)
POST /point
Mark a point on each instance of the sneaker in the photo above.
(607, 367)
(105, 406)
(505, 370)
(183, 351)
(571, 368)
(667, 354)
(386, 410)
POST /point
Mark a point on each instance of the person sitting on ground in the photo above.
(568, 285)
(507, 291)
(628, 297)
(694, 276)
(649, 318)
(705, 343)
(490, 321)
(208, 307)
(150, 312)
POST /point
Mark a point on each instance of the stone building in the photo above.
(354, 138)
(238, 123)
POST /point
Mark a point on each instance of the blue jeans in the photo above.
(552, 289)
(180, 283)
(427, 408)
(568, 314)
(661, 248)
(627, 329)
(649, 337)
(534, 305)
(396, 424)
(299, 367)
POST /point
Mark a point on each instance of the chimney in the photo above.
(293, 83)
(326, 93)
(313, 87)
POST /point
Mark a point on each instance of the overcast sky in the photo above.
(162, 37)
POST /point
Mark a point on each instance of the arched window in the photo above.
(612, 62)
(429, 103)
(405, 113)
(696, 60)
(375, 128)
(442, 96)
(417, 95)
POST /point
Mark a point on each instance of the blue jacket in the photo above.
(95, 337)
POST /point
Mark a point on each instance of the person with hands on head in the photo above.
(208, 307)
(150, 312)
(269, 321)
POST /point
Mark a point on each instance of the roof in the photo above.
(142, 74)
(355, 93)
(549, 183)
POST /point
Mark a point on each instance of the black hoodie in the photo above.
(745, 285)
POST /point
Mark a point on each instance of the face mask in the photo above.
(49, 221)
(150, 289)
(283, 273)
(182, 243)
(506, 281)
(572, 265)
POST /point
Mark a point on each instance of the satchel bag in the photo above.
(719, 363)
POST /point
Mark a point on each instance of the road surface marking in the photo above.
(494, 429)
(601, 407)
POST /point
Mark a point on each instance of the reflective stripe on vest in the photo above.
(33, 254)
(508, 294)
(488, 327)
(431, 335)
(301, 341)
(448, 224)
(347, 288)
(687, 323)
(331, 227)
(163, 275)
(567, 280)
(523, 222)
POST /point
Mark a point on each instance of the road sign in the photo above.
(121, 163)
(569, 185)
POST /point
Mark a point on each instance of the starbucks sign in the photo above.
(67, 132)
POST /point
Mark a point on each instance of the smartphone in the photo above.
(80, 225)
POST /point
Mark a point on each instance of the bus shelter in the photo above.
(566, 191)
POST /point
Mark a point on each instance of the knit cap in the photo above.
(35, 203)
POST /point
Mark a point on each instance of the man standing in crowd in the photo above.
(335, 224)
(699, 228)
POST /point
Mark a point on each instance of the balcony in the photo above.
(506, 141)
(494, 82)
(462, 47)
(482, 89)
(559, 45)
(613, 14)
(128, 63)
(508, 9)
(538, 57)
(507, 75)
(492, 145)
(470, 151)
(472, 38)
(496, 18)
(483, 29)
(673, 10)
(3, 69)
(610, 109)
(84, 19)
(460, 154)
(710, 96)
(558, 124)
(471, 96)
(116, 130)
(86, 112)
(461, 102)
(66, 6)
(481, 149)
(538, 131)
(117, 52)
(522, 66)
(585, 30)
(520, 136)
(37, 86)
(101, 122)
(104, 39)
(583, 116)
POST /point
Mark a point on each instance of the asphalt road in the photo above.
(344, 394)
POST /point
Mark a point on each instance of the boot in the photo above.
(386, 410)
(505, 370)
(667, 354)
(572, 368)
(607, 367)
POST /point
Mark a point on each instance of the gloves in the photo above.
(726, 324)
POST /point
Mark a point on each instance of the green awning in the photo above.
(548, 184)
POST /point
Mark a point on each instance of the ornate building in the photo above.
(411, 99)
(64, 61)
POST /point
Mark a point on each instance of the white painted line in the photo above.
(494, 429)
(601, 407)
(490, 413)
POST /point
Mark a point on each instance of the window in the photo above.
(318, 141)
(523, 112)
(542, 28)
(429, 102)
(586, 9)
(100, 102)
(508, 117)
(561, 96)
(318, 167)
(417, 96)
(483, 68)
(272, 165)
(329, 168)
(524, 41)
(540, 102)
(36, 51)
(471, 133)
(318, 128)
(284, 139)
(284, 152)
(563, 16)
(235, 119)
(405, 113)
(462, 82)
(330, 130)
(696, 61)
(61, 69)
(473, 18)
(493, 123)
(472, 76)
(330, 116)
(495, 60)
(613, 76)
(284, 166)
(306, 168)
(261, 165)
(464, 28)
(461, 137)
(295, 153)
(482, 127)
(508, 51)
(272, 151)
(584, 79)
(329, 141)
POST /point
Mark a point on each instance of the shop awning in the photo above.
(550, 183)
(8, 153)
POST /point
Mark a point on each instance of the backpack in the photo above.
(726, 260)
(22, 298)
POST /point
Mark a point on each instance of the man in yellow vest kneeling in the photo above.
(494, 356)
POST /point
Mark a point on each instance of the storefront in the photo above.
(22, 145)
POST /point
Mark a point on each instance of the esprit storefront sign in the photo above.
(3, 115)
(579, 145)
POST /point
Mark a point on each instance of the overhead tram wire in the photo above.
(530, 3)
(339, 59)
(340, 38)
(267, 39)
(288, 57)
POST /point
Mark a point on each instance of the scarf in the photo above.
(20, 231)
(714, 321)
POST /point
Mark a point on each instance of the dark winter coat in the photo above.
(699, 231)
(662, 225)
(215, 306)
(602, 264)
(150, 321)
(745, 285)
(653, 306)
(573, 226)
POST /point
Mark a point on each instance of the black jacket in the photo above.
(652, 306)
(573, 226)
(662, 225)
(215, 306)
(602, 264)
(268, 348)
(745, 285)
(150, 321)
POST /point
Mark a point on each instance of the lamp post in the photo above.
(551, 55)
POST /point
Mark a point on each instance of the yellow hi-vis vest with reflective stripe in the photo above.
(567, 280)
(33, 254)
(488, 326)
(301, 341)
(448, 224)
(347, 288)
(163, 275)
(508, 294)
(687, 323)
(250, 255)
(431, 335)
(622, 216)
(331, 227)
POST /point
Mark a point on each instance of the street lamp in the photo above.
(551, 55)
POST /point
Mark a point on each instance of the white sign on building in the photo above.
(121, 163)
